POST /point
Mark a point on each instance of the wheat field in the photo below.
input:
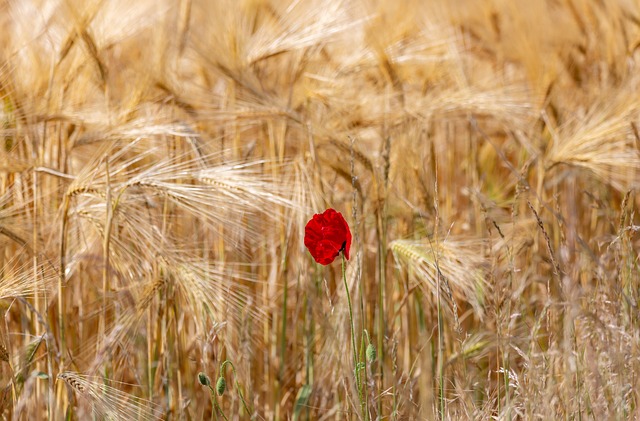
(159, 161)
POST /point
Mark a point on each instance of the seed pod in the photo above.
(371, 353)
(204, 379)
(221, 385)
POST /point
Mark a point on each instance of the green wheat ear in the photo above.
(221, 385)
(372, 354)
(204, 379)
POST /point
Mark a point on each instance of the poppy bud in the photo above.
(204, 379)
(221, 385)
(371, 353)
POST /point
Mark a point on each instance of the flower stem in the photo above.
(220, 409)
(356, 370)
(216, 406)
(353, 338)
(235, 375)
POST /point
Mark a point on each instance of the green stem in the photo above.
(214, 402)
(221, 413)
(216, 406)
(440, 354)
(356, 371)
(235, 375)
(353, 337)
(382, 270)
(364, 396)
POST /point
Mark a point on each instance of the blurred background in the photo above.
(160, 159)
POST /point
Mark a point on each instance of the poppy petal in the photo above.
(326, 235)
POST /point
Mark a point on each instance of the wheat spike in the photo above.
(108, 401)
(458, 262)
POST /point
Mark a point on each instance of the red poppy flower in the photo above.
(326, 235)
